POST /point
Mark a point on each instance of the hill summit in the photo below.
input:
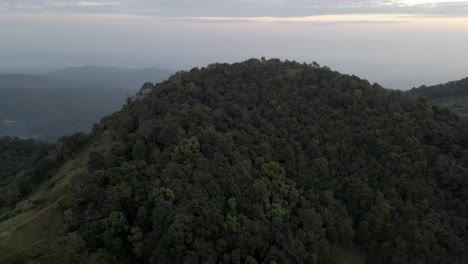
(268, 162)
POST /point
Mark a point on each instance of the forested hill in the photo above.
(267, 162)
(452, 95)
(455, 88)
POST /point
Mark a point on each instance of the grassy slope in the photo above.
(31, 238)
(40, 217)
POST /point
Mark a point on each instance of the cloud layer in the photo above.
(244, 8)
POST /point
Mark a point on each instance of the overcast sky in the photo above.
(397, 43)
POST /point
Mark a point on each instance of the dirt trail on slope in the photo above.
(27, 221)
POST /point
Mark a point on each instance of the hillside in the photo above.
(31, 201)
(17, 155)
(256, 162)
(452, 95)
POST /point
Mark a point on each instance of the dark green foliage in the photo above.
(70, 145)
(25, 164)
(275, 162)
(17, 179)
(17, 155)
(96, 160)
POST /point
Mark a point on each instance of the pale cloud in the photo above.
(412, 49)
(85, 3)
(384, 18)
(79, 3)
(426, 2)
(239, 8)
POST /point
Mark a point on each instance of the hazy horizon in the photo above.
(397, 77)
(399, 44)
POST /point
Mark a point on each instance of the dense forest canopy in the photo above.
(17, 155)
(268, 162)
